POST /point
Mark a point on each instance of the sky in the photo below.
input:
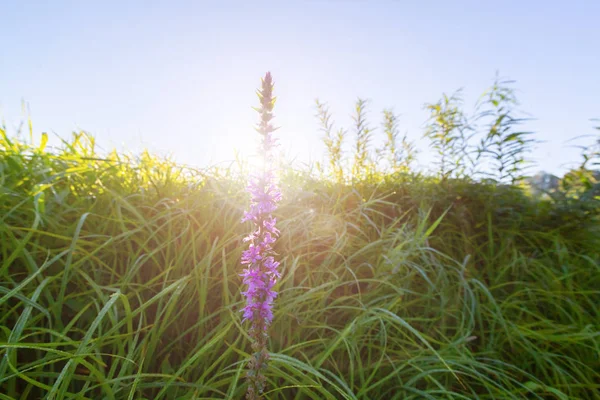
(179, 77)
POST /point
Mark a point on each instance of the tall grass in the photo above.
(119, 279)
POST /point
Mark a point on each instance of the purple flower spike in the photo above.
(252, 255)
(269, 225)
(262, 272)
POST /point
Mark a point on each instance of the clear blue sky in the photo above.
(179, 77)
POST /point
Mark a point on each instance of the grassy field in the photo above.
(119, 279)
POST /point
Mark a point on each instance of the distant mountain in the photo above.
(543, 182)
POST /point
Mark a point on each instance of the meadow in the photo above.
(120, 274)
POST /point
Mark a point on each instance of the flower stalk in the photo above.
(261, 271)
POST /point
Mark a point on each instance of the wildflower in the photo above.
(261, 273)
(252, 255)
(269, 225)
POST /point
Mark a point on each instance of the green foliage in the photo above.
(504, 144)
(333, 142)
(361, 165)
(400, 156)
(395, 157)
(119, 279)
(579, 189)
(447, 129)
